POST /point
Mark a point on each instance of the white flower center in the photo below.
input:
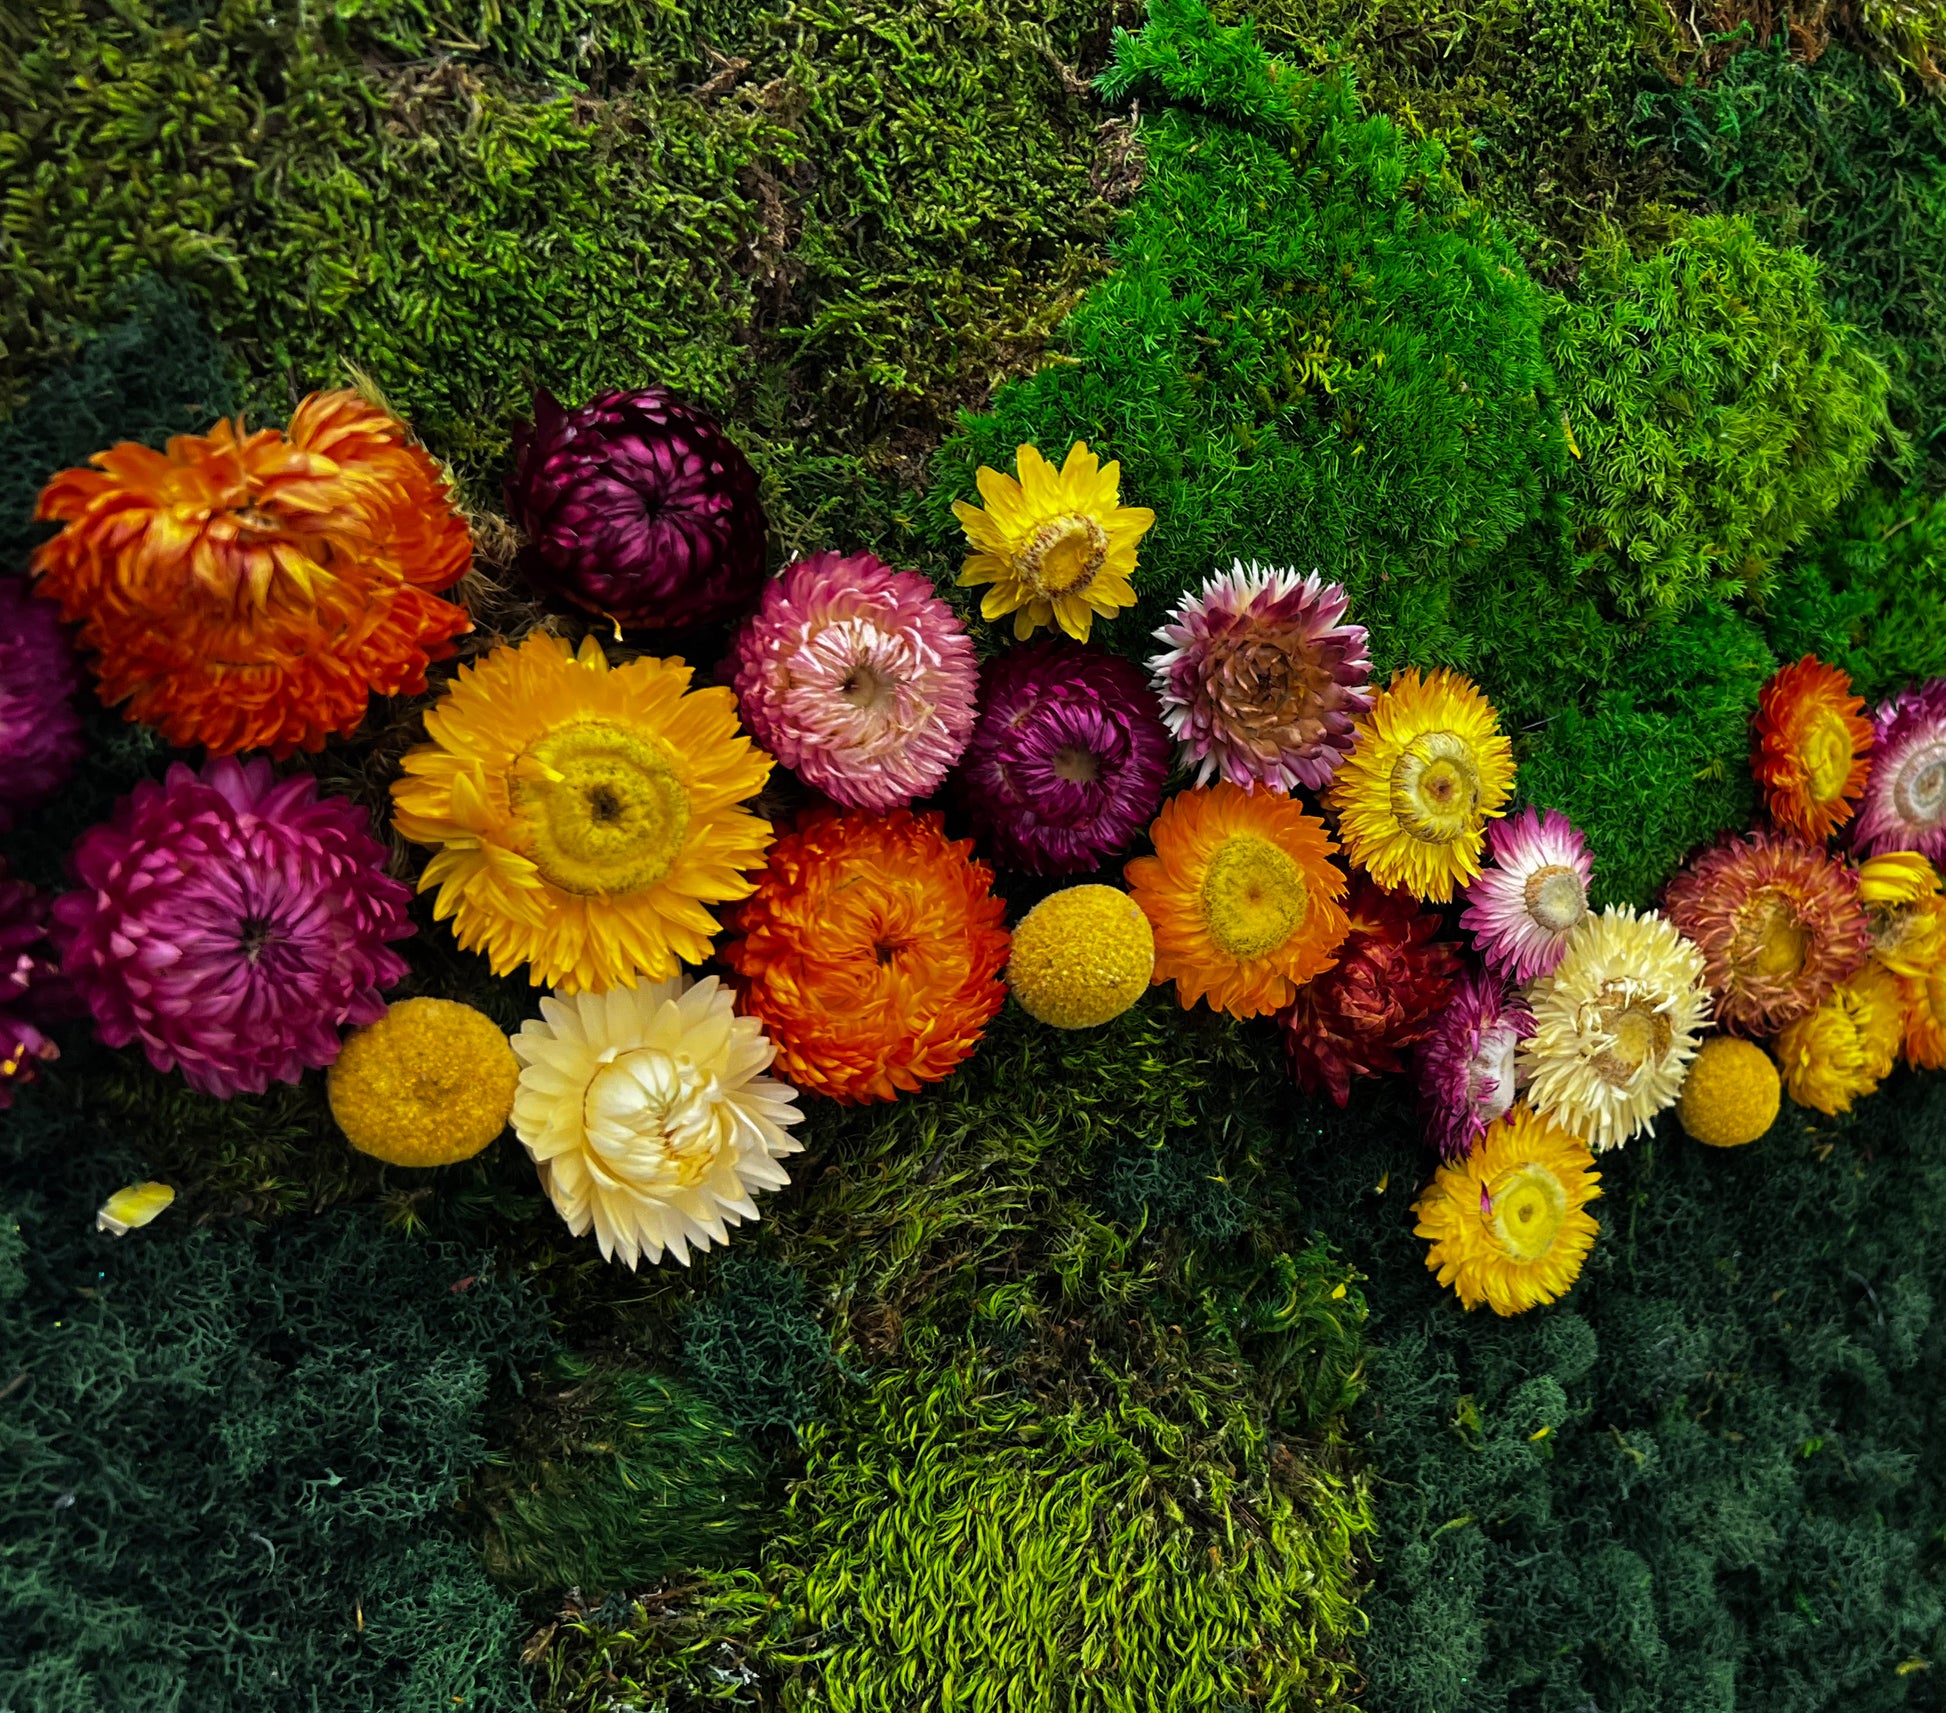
(1920, 789)
(655, 1119)
(1492, 1071)
(856, 687)
(1555, 897)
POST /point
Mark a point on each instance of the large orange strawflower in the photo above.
(870, 952)
(1243, 897)
(252, 591)
(1813, 748)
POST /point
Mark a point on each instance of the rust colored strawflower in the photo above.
(254, 591)
(1813, 748)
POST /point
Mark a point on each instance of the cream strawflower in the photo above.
(648, 1114)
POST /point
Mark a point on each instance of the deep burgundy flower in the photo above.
(40, 733)
(638, 508)
(232, 922)
(1067, 761)
(32, 992)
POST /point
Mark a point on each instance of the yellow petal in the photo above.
(134, 1206)
(1074, 616)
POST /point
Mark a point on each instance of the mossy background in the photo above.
(1599, 347)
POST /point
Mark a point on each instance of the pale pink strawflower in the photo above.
(1466, 1064)
(232, 923)
(1530, 894)
(1262, 680)
(1905, 797)
(858, 678)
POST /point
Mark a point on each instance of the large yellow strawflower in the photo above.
(1429, 765)
(583, 816)
(1615, 1026)
(1081, 957)
(1845, 1047)
(1509, 1224)
(429, 1083)
(1900, 892)
(1058, 547)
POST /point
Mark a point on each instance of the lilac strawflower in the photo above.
(1905, 796)
(1531, 892)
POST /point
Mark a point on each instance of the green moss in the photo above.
(1720, 414)
(753, 1347)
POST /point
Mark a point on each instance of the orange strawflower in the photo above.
(252, 591)
(870, 952)
(1243, 897)
(1813, 748)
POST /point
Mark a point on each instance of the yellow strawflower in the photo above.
(1845, 1047)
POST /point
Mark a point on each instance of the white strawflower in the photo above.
(648, 1114)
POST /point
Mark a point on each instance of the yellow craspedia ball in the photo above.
(431, 1082)
(1081, 957)
(1731, 1094)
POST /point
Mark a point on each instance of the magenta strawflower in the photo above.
(32, 991)
(1466, 1064)
(1067, 760)
(1261, 679)
(40, 733)
(1905, 796)
(637, 507)
(858, 678)
(1531, 892)
(232, 922)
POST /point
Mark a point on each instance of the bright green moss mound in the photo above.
(1144, 1547)
(1719, 413)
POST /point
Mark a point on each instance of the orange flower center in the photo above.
(1254, 897)
(1063, 556)
(602, 811)
(1529, 1206)
(1436, 788)
(1556, 898)
(1827, 755)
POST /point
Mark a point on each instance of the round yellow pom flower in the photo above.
(583, 817)
(1904, 913)
(1243, 897)
(649, 1117)
(431, 1082)
(1429, 765)
(1731, 1094)
(1615, 1026)
(1058, 547)
(1845, 1047)
(1081, 956)
(1509, 1223)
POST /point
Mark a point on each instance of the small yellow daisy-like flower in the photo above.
(1057, 546)
(1244, 898)
(583, 816)
(1429, 765)
(1080, 957)
(430, 1083)
(1845, 1047)
(1731, 1094)
(1904, 913)
(1615, 1026)
(1509, 1224)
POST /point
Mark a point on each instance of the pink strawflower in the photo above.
(32, 993)
(40, 733)
(1067, 761)
(1532, 891)
(1466, 1064)
(232, 922)
(1905, 797)
(858, 678)
(1261, 680)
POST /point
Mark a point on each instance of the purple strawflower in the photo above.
(40, 733)
(1905, 797)
(232, 922)
(1532, 891)
(32, 992)
(858, 678)
(1067, 761)
(637, 508)
(1466, 1064)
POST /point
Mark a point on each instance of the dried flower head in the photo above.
(1530, 894)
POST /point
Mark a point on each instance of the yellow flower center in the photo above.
(1254, 897)
(1826, 754)
(1771, 938)
(651, 1116)
(1063, 555)
(604, 810)
(1436, 788)
(1556, 898)
(1638, 1033)
(1530, 1205)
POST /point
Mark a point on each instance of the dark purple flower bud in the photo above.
(637, 508)
(1067, 761)
(40, 733)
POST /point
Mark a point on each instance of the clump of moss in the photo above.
(752, 1346)
(1720, 414)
